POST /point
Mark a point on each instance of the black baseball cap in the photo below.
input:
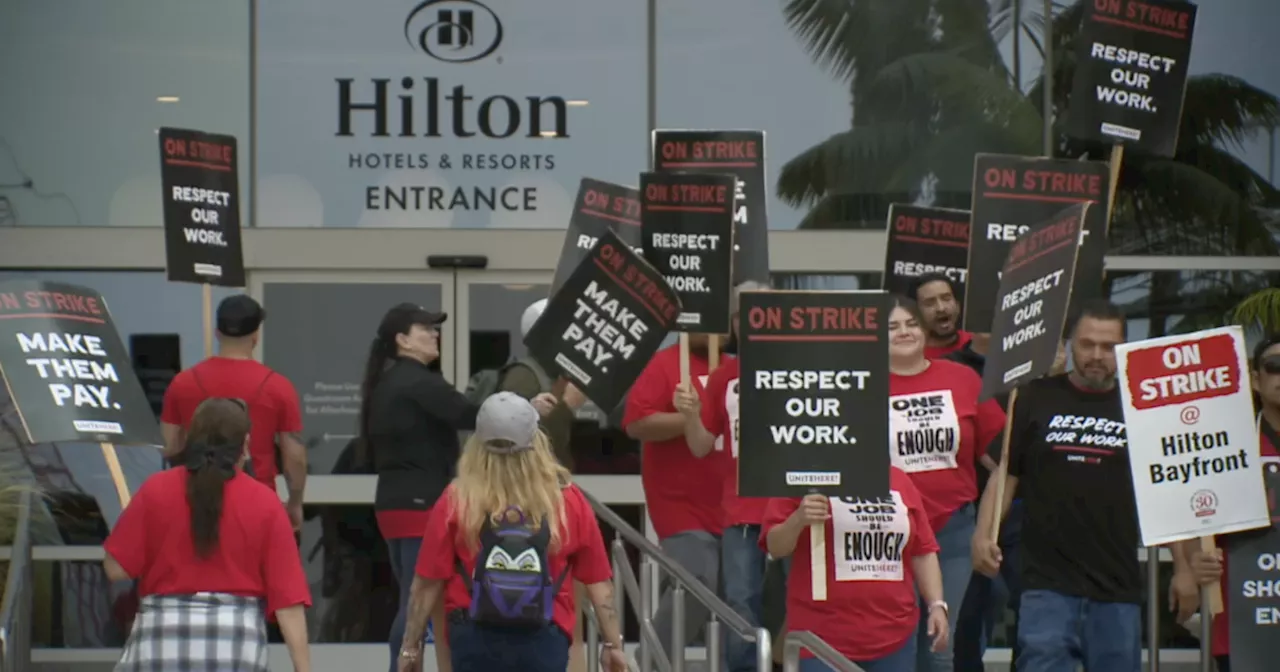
(403, 316)
(239, 315)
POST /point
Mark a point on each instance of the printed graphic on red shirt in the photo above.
(924, 431)
(871, 537)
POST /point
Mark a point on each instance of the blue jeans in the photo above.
(484, 648)
(404, 558)
(986, 599)
(1058, 633)
(954, 540)
(742, 572)
(902, 660)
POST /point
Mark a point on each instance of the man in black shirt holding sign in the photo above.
(1082, 587)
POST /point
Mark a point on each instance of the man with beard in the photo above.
(1082, 586)
(935, 294)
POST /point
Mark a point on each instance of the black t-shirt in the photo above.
(414, 418)
(1070, 454)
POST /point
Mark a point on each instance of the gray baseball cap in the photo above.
(506, 423)
(748, 286)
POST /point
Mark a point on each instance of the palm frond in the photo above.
(1260, 309)
(830, 30)
(844, 161)
(1226, 110)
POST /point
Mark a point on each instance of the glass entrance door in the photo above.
(318, 331)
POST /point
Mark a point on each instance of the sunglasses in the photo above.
(1270, 365)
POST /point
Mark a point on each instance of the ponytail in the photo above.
(213, 450)
(376, 363)
(211, 467)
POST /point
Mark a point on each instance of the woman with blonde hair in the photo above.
(501, 545)
(214, 556)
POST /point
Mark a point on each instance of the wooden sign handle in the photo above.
(684, 358)
(1212, 591)
(206, 309)
(1117, 160)
(713, 353)
(818, 560)
(1003, 469)
(117, 473)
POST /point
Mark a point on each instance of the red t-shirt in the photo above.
(256, 555)
(871, 606)
(581, 549)
(273, 404)
(937, 352)
(720, 417)
(1220, 639)
(938, 431)
(681, 491)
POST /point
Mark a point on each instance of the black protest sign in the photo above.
(1013, 193)
(201, 208)
(605, 323)
(600, 206)
(1252, 588)
(686, 230)
(1131, 73)
(1031, 308)
(925, 240)
(737, 153)
(66, 368)
(814, 385)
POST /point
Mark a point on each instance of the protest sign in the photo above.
(686, 229)
(737, 153)
(600, 206)
(1013, 193)
(605, 323)
(1031, 303)
(201, 208)
(1193, 444)
(925, 240)
(1252, 584)
(814, 385)
(67, 370)
(1131, 73)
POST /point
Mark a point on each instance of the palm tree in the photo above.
(1260, 310)
(925, 102)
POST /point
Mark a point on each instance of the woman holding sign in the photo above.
(938, 432)
(883, 553)
(1205, 567)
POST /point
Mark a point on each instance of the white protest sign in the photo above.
(1193, 443)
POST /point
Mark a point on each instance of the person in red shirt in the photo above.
(214, 556)
(504, 544)
(681, 491)
(234, 374)
(935, 293)
(938, 434)
(881, 553)
(711, 429)
(1195, 567)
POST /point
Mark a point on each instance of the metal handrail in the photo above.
(16, 607)
(795, 641)
(640, 591)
